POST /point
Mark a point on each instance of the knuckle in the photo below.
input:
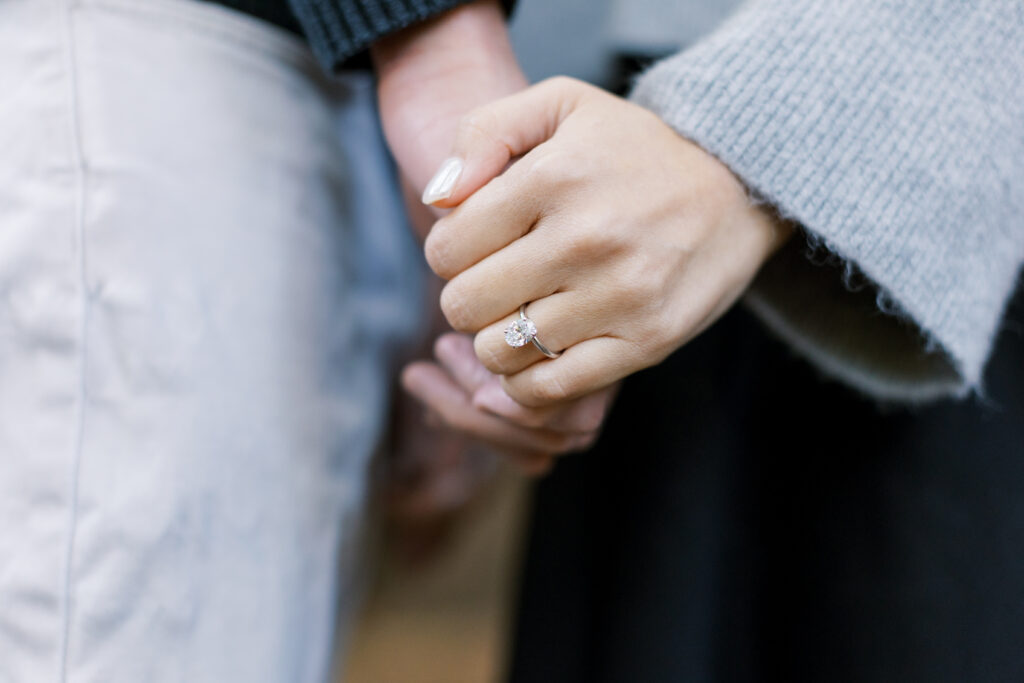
(438, 253)
(563, 83)
(642, 276)
(549, 389)
(592, 418)
(649, 326)
(654, 343)
(555, 169)
(531, 419)
(542, 170)
(587, 243)
(471, 120)
(454, 305)
(552, 443)
(486, 355)
(583, 443)
(519, 392)
(562, 443)
(648, 298)
(479, 121)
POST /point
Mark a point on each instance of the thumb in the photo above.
(489, 137)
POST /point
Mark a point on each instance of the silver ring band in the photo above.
(536, 342)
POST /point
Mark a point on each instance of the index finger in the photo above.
(497, 215)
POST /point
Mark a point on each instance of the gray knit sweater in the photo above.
(893, 133)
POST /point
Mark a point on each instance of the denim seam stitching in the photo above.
(68, 8)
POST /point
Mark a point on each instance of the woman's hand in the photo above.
(625, 239)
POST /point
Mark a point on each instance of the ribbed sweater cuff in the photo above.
(893, 133)
(338, 30)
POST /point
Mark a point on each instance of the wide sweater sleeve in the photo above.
(893, 134)
(338, 30)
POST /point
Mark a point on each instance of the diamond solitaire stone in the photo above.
(520, 332)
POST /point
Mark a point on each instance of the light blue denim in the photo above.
(205, 280)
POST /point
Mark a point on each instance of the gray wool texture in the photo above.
(893, 134)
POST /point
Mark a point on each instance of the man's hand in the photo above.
(431, 74)
(469, 398)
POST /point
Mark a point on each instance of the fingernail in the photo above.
(442, 184)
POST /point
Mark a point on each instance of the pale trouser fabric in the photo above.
(203, 281)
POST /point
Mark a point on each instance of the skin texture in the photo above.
(429, 76)
(627, 238)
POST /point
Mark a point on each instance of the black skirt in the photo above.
(743, 519)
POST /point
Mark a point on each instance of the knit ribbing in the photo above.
(340, 29)
(274, 11)
(893, 133)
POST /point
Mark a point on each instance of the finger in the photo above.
(490, 136)
(497, 215)
(581, 417)
(528, 269)
(430, 384)
(455, 353)
(584, 368)
(562, 320)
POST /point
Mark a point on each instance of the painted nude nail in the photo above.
(442, 184)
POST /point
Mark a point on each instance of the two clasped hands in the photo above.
(623, 239)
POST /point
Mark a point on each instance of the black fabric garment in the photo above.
(339, 31)
(744, 520)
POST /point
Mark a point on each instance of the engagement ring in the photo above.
(520, 332)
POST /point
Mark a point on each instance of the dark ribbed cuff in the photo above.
(339, 30)
(275, 12)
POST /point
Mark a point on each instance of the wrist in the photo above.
(470, 35)
(432, 74)
(778, 231)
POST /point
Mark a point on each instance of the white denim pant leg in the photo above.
(204, 276)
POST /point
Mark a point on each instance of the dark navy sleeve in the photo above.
(339, 30)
